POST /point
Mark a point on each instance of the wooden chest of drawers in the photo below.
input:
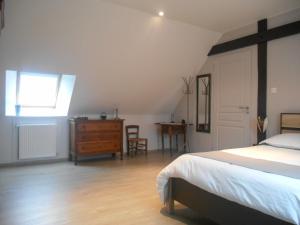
(94, 137)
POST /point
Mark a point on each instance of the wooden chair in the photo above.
(134, 142)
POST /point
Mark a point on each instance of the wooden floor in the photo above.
(94, 192)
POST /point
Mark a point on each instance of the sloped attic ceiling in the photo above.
(217, 15)
(122, 57)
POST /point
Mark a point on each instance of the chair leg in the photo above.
(136, 148)
(146, 147)
(128, 148)
(131, 149)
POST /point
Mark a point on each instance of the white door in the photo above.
(232, 100)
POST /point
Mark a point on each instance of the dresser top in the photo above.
(95, 120)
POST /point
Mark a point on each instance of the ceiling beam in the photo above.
(268, 35)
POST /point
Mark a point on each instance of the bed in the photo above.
(231, 193)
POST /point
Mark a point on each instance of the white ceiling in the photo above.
(216, 15)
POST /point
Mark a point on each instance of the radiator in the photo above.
(37, 141)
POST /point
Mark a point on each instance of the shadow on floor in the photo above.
(187, 216)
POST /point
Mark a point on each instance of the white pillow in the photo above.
(287, 140)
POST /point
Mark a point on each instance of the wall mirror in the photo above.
(203, 104)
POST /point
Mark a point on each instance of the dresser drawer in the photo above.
(93, 137)
(95, 147)
(96, 136)
(90, 127)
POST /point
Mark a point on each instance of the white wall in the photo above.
(283, 74)
(9, 137)
(148, 128)
(122, 58)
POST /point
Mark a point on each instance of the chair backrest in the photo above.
(132, 131)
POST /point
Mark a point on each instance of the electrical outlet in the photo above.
(274, 90)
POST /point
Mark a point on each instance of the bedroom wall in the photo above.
(9, 133)
(122, 58)
(283, 74)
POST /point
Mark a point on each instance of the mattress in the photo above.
(272, 194)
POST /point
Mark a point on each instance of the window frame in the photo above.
(65, 86)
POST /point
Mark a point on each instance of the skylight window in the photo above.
(37, 90)
(35, 94)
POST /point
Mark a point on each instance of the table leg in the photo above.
(176, 142)
(76, 160)
(162, 140)
(70, 157)
(170, 139)
(184, 141)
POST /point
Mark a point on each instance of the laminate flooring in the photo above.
(98, 192)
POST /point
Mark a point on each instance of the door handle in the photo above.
(246, 108)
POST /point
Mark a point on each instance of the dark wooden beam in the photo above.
(283, 31)
(262, 51)
(268, 35)
(234, 44)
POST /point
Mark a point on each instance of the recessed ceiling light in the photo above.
(161, 13)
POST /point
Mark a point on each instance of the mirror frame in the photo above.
(198, 129)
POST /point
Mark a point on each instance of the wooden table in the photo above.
(173, 129)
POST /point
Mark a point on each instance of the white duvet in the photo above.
(272, 194)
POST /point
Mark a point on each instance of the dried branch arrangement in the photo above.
(262, 124)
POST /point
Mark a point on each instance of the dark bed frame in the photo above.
(218, 209)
